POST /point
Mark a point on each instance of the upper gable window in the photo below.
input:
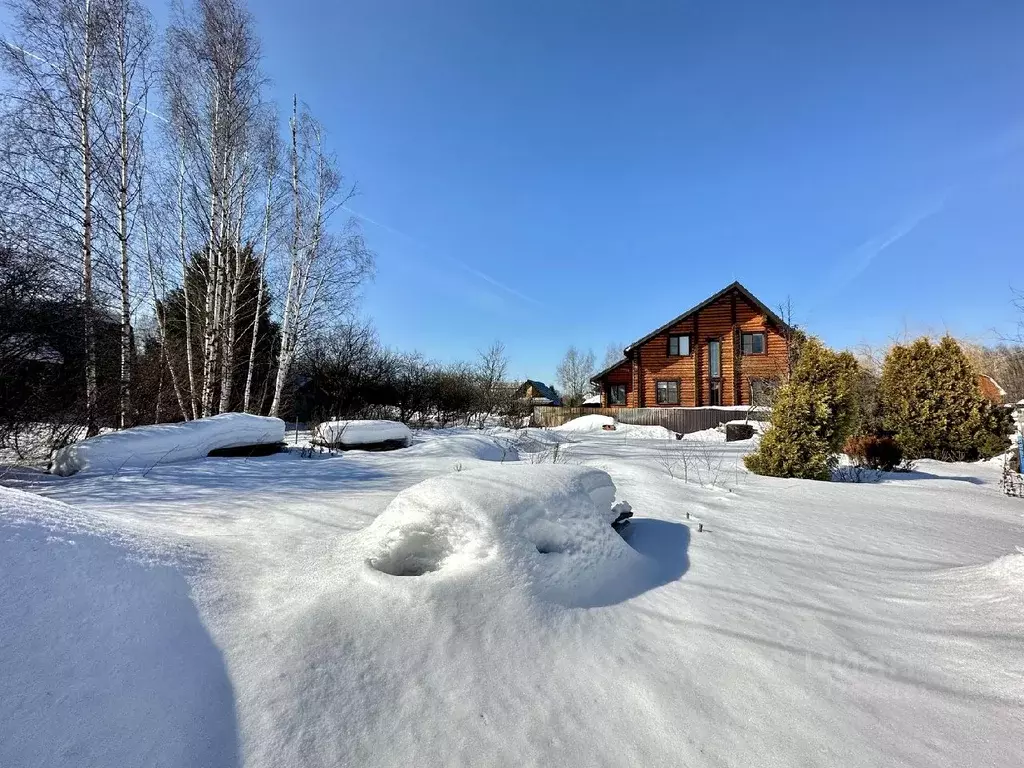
(753, 343)
(678, 346)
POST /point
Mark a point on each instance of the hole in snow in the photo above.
(414, 553)
(549, 538)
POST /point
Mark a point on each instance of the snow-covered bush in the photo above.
(167, 443)
(813, 415)
(360, 433)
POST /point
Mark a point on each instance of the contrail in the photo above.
(461, 265)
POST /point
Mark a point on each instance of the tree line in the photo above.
(168, 243)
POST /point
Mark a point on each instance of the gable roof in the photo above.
(711, 300)
(543, 390)
(608, 370)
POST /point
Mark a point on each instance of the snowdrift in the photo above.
(464, 445)
(595, 423)
(355, 433)
(167, 443)
(543, 529)
(103, 660)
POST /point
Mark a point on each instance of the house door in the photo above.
(714, 372)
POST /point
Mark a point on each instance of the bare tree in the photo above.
(56, 127)
(214, 89)
(574, 374)
(491, 372)
(612, 355)
(125, 65)
(325, 268)
(271, 170)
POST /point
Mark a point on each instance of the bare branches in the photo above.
(574, 374)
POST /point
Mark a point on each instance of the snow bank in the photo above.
(543, 528)
(103, 660)
(595, 423)
(463, 445)
(166, 443)
(356, 432)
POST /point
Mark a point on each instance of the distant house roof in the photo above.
(609, 369)
(990, 388)
(543, 390)
(754, 301)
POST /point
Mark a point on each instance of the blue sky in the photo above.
(555, 173)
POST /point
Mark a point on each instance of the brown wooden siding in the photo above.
(726, 319)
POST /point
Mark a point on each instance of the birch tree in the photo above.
(126, 64)
(325, 268)
(55, 127)
(214, 89)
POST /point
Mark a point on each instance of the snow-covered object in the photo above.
(103, 659)
(596, 423)
(167, 443)
(544, 528)
(591, 423)
(356, 432)
(465, 445)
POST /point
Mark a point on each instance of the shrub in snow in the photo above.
(931, 402)
(546, 528)
(813, 414)
(166, 443)
(357, 433)
(874, 452)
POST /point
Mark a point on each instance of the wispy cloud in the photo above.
(480, 275)
(854, 263)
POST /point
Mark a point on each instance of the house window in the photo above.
(678, 346)
(753, 343)
(617, 394)
(668, 393)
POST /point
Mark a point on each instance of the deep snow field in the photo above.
(230, 611)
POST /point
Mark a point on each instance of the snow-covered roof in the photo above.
(545, 392)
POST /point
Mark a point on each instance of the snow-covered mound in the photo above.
(167, 443)
(103, 660)
(593, 423)
(546, 529)
(463, 445)
(596, 423)
(352, 433)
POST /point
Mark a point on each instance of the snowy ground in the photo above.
(807, 624)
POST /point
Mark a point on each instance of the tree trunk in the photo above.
(122, 233)
(84, 116)
(259, 296)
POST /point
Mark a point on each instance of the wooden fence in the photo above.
(681, 420)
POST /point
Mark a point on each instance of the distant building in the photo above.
(990, 388)
(539, 393)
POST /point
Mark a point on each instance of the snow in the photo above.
(591, 423)
(462, 444)
(592, 400)
(166, 443)
(807, 623)
(596, 423)
(544, 531)
(357, 432)
(103, 658)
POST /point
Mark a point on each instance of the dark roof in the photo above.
(608, 370)
(711, 300)
(544, 390)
